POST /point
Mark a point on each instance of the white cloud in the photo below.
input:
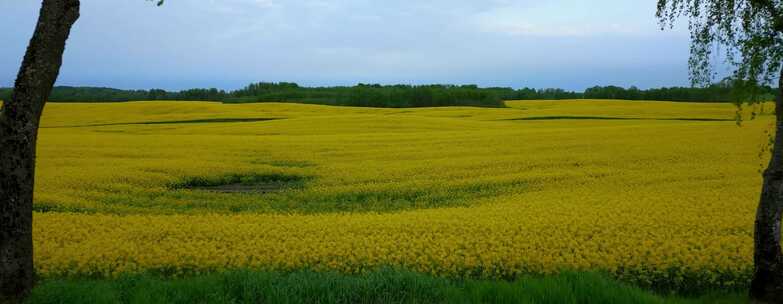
(564, 19)
(494, 42)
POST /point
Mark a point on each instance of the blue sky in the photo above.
(228, 43)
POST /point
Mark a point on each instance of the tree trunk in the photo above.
(767, 284)
(19, 120)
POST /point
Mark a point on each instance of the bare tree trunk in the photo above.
(767, 284)
(19, 120)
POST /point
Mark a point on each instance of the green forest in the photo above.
(403, 96)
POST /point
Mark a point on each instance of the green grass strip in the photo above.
(382, 286)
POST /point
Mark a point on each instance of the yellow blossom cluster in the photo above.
(652, 192)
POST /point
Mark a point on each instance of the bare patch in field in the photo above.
(252, 183)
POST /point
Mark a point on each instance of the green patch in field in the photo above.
(296, 193)
(238, 183)
(283, 163)
(55, 207)
(388, 198)
(171, 122)
(617, 118)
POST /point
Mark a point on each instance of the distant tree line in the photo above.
(400, 96)
(370, 95)
(724, 91)
(362, 95)
(94, 94)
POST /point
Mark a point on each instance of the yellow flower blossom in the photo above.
(665, 195)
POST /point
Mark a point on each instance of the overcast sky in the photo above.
(228, 43)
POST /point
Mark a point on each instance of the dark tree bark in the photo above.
(19, 121)
(767, 284)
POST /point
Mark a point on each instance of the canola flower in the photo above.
(665, 196)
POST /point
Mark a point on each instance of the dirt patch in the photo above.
(253, 183)
(244, 188)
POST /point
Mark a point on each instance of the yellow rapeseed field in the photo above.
(655, 193)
